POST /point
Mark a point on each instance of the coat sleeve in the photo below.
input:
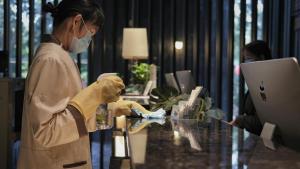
(249, 122)
(53, 121)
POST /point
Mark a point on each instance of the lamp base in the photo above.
(132, 62)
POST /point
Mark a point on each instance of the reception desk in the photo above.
(188, 144)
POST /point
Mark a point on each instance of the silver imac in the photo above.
(274, 86)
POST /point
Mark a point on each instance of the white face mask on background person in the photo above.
(79, 45)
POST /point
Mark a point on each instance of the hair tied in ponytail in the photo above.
(49, 7)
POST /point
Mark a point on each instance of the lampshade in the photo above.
(135, 43)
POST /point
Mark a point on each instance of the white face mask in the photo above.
(79, 45)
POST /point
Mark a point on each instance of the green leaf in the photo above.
(164, 98)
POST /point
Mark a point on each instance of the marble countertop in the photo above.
(188, 144)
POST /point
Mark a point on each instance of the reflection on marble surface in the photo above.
(185, 128)
(190, 144)
(119, 146)
(138, 146)
(136, 125)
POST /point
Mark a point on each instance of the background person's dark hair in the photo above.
(257, 50)
(90, 10)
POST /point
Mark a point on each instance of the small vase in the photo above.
(104, 118)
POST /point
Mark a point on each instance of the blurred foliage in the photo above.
(165, 98)
(140, 73)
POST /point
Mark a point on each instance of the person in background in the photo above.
(254, 51)
(58, 113)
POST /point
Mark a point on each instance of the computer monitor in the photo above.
(171, 81)
(274, 86)
(185, 81)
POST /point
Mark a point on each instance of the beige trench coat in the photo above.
(54, 135)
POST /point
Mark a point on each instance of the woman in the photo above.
(57, 113)
(254, 51)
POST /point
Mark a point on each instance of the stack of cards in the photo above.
(194, 94)
(183, 107)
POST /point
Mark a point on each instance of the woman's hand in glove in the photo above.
(124, 107)
(105, 90)
(110, 88)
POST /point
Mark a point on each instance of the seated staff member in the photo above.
(57, 112)
(254, 51)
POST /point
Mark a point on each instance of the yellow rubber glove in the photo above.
(123, 107)
(104, 90)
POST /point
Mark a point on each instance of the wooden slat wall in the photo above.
(206, 30)
(205, 27)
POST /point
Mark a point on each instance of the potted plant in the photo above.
(140, 75)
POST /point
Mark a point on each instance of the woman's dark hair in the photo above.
(257, 50)
(90, 10)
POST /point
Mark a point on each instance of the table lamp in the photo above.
(135, 44)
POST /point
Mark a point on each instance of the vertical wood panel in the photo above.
(266, 20)
(43, 19)
(31, 31)
(94, 56)
(207, 20)
(225, 39)
(230, 60)
(227, 58)
(215, 47)
(297, 49)
(168, 38)
(108, 37)
(144, 20)
(195, 53)
(135, 12)
(19, 39)
(287, 29)
(296, 28)
(156, 37)
(219, 28)
(254, 21)
(94, 61)
(6, 25)
(180, 11)
(275, 29)
(121, 22)
(270, 22)
(201, 43)
(192, 37)
(213, 52)
(242, 44)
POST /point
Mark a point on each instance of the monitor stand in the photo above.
(267, 135)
